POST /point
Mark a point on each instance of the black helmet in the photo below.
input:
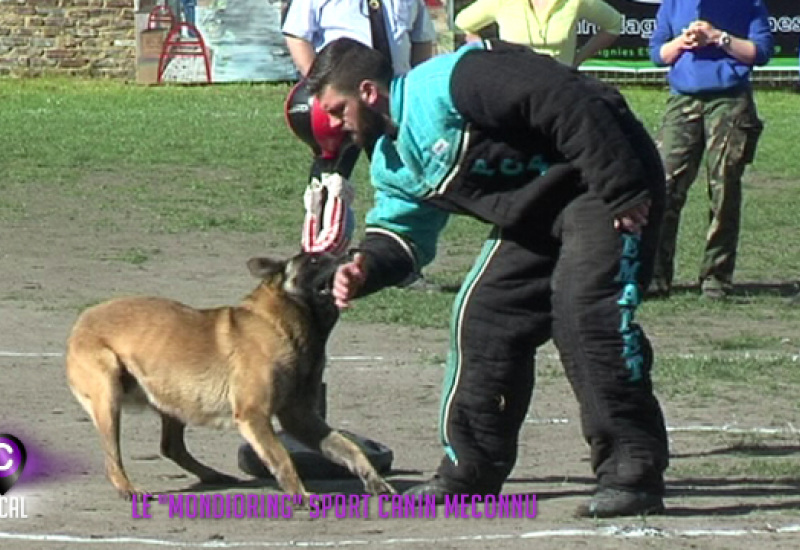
(311, 124)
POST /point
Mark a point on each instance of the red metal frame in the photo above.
(179, 44)
(159, 15)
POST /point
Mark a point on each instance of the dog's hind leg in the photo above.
(173, 446)
(309, 428)
(95, 378)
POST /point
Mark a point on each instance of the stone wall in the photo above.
(92, 38)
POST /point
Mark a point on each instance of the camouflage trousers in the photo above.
(726, 127)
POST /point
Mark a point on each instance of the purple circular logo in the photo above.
(12, 461)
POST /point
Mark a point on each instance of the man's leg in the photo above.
(731, 125)
(501, 315)
(680, 142)
(597, 286)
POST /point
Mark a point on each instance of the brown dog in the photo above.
(231, 365)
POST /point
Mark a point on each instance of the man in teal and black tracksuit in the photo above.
(572, 186)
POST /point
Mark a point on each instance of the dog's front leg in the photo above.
(258, 432)
(338, 448)
(309, 428)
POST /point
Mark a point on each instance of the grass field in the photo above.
(188, 160)
(221, 158)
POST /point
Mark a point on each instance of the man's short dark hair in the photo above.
(344, 63)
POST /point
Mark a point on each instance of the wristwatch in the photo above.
(724, 40)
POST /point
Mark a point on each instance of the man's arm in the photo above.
(302, 53)
(633, 219)
(380, 262)
(476, 16)
(754, 49)
(670, 51)
(706, 34)
(422, 34)
(382, 259)
(300, 26)
(601, 39)
(666, 44)
(401, 233)
(348, 280)
(609, 24)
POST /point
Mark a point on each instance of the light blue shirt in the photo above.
(322, 21)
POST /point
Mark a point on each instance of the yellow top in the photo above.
(552, 32)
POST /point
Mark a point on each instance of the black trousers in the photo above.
(576, 279)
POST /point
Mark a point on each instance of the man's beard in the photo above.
(371, 126)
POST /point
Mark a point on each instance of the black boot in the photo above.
(436, 486)
(611, 503)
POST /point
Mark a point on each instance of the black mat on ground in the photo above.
(312, 465)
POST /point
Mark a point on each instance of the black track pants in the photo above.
(579, 284)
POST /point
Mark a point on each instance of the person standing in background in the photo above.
(547, 26)
(711, 47)
(311, 24)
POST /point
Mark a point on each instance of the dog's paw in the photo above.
(379, 486)
(302, 501)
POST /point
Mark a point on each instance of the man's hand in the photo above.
(743, 50)
(688, 39)
(705, 32)
(633, 219)
(348, 281)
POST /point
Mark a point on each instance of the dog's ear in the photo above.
(261, 268)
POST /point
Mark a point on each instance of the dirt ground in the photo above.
(382, 383)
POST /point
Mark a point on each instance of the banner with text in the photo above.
(639, 22)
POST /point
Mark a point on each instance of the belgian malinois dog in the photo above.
(237, 365)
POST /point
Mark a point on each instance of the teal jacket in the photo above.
(496, 132)
(416, 164)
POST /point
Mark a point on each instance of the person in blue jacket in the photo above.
(572, 186)
(711, 47)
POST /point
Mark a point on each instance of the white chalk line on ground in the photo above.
(29, 354)
(730, 355)
(789, 429)
(613, 531)
(727, 428)
(621, 532)
(36, 354)
(732, 429)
